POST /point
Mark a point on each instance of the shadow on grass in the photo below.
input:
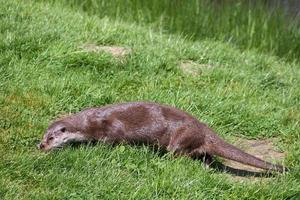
(220, 167)
(214, 164)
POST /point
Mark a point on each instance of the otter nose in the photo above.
(40, 146)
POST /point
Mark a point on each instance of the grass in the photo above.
(246, 24)
(43, 72)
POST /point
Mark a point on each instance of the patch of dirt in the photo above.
(115, 51)
(263, 149)
(192, 68)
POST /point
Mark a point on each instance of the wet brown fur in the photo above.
(151, 123)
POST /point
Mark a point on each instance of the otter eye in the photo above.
(50, 138)
(63, 129)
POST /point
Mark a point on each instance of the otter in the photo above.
(164, 126)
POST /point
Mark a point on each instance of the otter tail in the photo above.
(221, 148)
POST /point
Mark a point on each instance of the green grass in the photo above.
(247, 24)
(43, 73)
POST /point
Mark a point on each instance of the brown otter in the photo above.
(143, 122)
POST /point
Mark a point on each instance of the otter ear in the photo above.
(63, 129)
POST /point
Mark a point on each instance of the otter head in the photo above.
(58, 135)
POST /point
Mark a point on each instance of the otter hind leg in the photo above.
(186, 141)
